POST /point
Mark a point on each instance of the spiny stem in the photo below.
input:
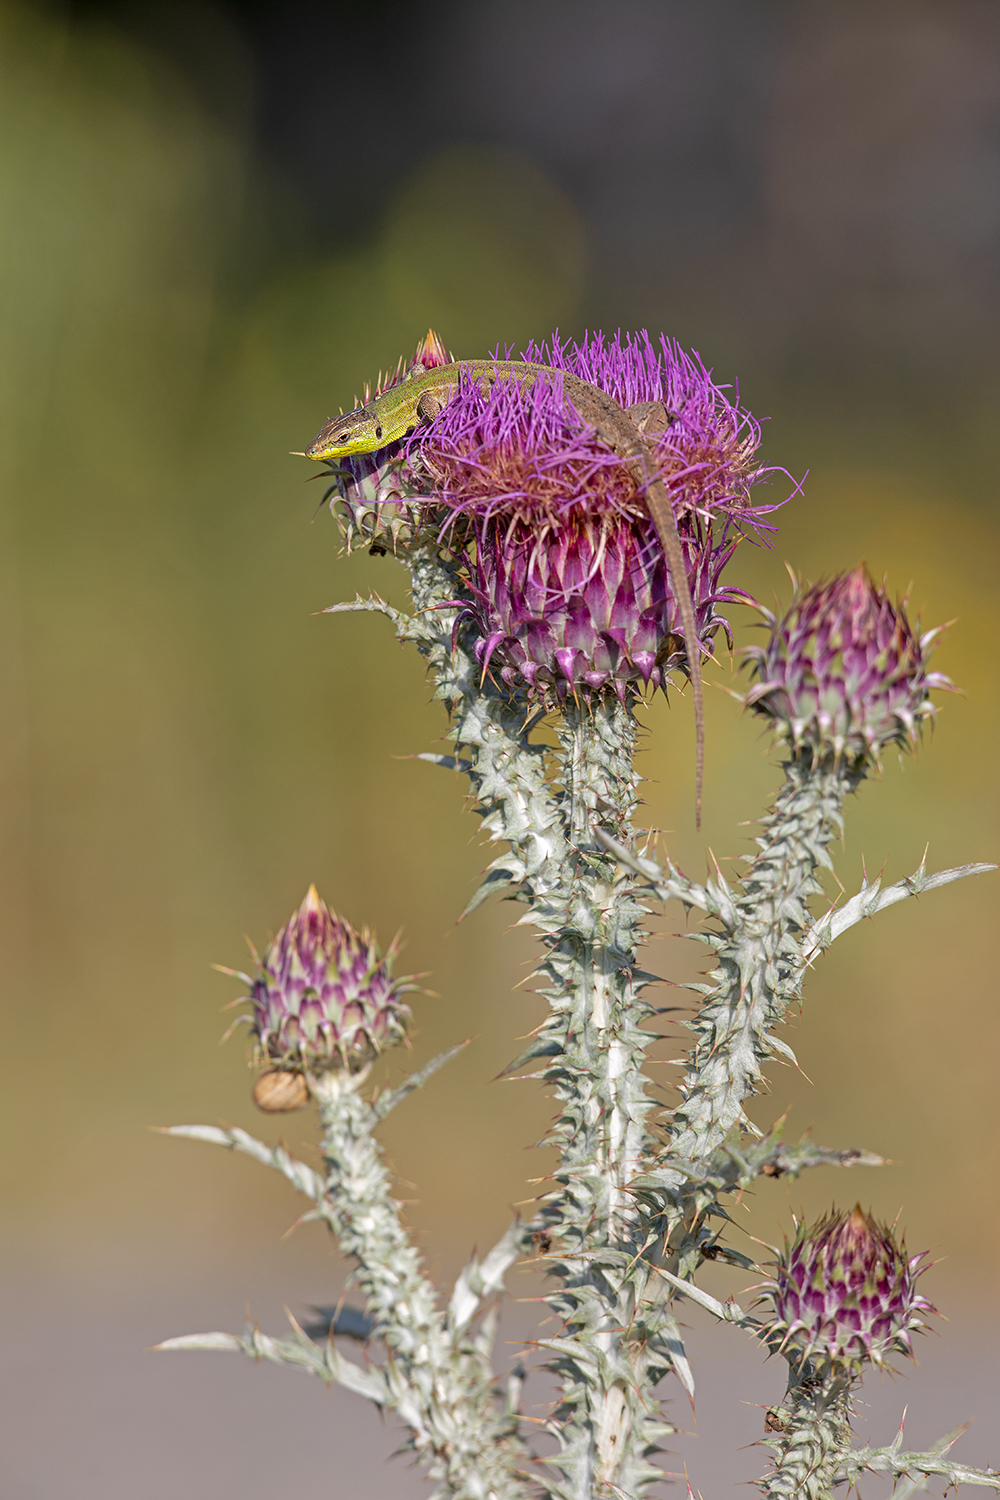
(441, 1386)
(758, 952)
(758, 940)
(812, 1433)
(606, 1418)
(616, 1341)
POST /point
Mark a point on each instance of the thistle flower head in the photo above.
(843, 673)
(845, 1293)
(569, 586)
(323, 996)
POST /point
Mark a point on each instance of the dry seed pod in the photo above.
(279, 1092)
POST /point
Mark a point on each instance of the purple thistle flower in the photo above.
(843, 673)
(844, 1292)
(570, 591)
(706, 452)
(323, 996)
(587, 604)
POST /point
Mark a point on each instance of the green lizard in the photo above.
(422, 393)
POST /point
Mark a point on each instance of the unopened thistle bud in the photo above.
(845, 1292)
(843, 673)
(323, 996)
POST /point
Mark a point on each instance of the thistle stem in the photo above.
(441, 1387)
(759, 956)
(611, 1348)
(812, 1435)
(606, 1419)
(760, 963)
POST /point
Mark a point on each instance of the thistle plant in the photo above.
(541, 598)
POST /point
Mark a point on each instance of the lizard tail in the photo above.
(692, 647)
(663, 518)
(697, 698)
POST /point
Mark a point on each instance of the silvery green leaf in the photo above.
(481, 1280)
(299, 1175)
(226, 1342)
(872, 899)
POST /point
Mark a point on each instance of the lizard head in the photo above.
(353, 432)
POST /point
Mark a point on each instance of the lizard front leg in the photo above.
(428, 406)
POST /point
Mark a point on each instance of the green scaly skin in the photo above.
(421, 395)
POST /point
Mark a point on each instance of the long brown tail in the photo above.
(663, 519)
(619, 429)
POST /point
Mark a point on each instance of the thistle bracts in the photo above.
(844, 1293)
(570, 590)
(843, 673)
(323, 996)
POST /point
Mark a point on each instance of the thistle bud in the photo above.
(323, 996)
(845, 1292)
(843, 672)
(589, 607)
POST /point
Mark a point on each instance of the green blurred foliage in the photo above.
(188, 743)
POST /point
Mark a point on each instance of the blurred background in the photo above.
(219, 220)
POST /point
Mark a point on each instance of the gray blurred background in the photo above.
(217, 221)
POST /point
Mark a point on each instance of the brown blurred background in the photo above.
(217, 222)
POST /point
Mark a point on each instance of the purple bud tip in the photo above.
(843, 673)
(323, 996)
(431, 353)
